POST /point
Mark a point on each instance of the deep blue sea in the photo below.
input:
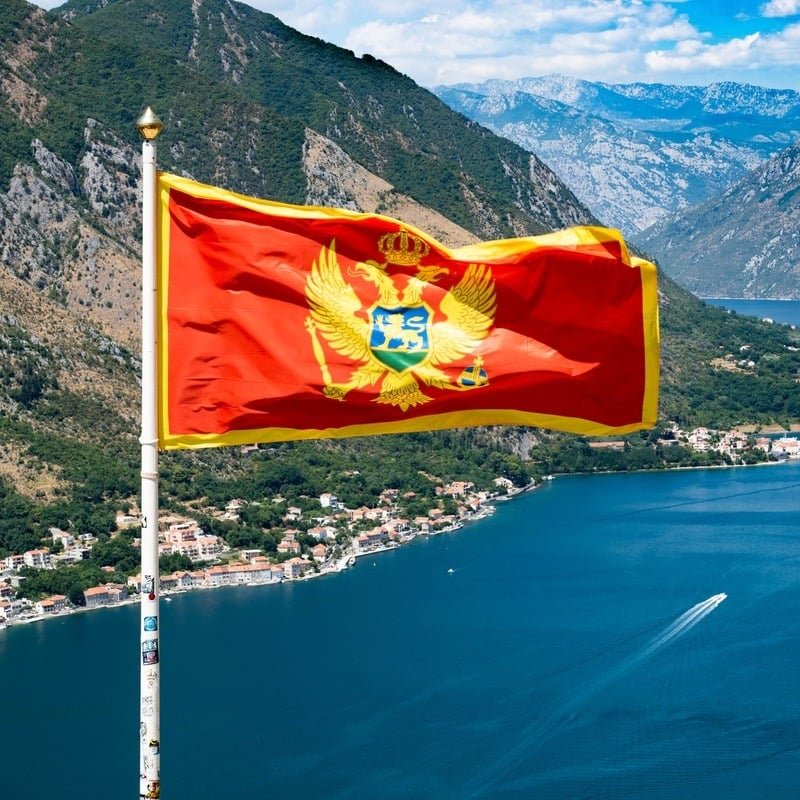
(783, 311)
(572, 652)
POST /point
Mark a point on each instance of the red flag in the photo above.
(281, 322)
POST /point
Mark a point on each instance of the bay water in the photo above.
(600, 637)
(786, 312)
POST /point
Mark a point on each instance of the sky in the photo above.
(615, 41)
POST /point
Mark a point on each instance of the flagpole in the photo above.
(149, 126)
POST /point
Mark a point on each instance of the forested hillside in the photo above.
(251, 105)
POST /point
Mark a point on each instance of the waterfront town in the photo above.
(340, 536)
(314, 543)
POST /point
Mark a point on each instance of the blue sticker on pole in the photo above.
(151, 623)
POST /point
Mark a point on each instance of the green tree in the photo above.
(173, 562)
(117, 552)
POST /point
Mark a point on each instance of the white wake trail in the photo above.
(563, 716)
(685, 622)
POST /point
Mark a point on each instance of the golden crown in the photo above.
(402, 248)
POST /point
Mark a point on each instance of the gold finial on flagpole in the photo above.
(149, 124)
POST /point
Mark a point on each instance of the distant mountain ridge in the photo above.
(635, 153)
(742, 243)
(733, 107)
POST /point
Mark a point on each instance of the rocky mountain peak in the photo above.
(743, 243)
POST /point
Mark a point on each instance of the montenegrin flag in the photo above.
(280, 322)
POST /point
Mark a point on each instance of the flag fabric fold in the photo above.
(280, 322)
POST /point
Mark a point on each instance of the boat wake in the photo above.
(684, 623)
(568, 709)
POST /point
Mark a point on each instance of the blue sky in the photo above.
(616, 41)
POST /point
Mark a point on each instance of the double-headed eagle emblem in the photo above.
(398, 337)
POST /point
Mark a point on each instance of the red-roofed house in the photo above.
(295, 567)
(319, 551)
(51, 605)
(103, 595)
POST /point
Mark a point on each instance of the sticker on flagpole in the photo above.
(150, 651)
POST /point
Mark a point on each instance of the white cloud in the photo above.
(751, 52)
(609, 40)
(510, 38)
(780, 8)
(691, 55)
(309, 17)
(450, 41)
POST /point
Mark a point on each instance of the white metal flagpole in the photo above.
(149, 126)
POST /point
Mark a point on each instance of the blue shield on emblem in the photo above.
(400, 337)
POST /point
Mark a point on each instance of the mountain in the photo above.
(306, 122)
(635, 153)
(248, 104)
(380, 118)
(743, 243)
(251, 105)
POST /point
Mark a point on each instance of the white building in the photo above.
(700, 440)
(295, 567)
(14, 562)
(51, 605)
(328, 500)
(787, 446)
(38, 559)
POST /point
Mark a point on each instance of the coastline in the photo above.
(344, 562)
(349, 559)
